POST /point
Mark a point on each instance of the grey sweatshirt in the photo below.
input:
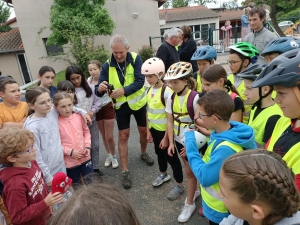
(260, 40)
(232, 220)
(49, 151)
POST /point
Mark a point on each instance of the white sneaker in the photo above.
(114, 162)
(108, 161)
(196, 195)
(186, 213)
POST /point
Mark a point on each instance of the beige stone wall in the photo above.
(9, 66)
(32, 15)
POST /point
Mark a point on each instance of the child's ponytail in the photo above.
(191, 83)
(230, 87)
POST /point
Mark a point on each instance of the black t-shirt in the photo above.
(238, 104)
(168, 54)
(286, 141)
(270, 124)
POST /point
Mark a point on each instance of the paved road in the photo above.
(151, 204)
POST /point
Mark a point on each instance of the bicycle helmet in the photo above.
(246, 49)
(252, 71)
(284, 71)
(179, 70)
(205, 53)
(281, 45)
(200, 139)
(153, 66)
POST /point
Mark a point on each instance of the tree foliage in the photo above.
(185, 3)
(76, 22)
(232, 4)
(4, 15)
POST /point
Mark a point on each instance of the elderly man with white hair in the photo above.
(167, 52)
(121, 77)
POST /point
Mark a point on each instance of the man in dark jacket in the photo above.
(167, 52)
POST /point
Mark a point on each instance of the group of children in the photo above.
(234, 114)
(61, 139)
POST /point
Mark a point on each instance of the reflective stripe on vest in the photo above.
(180, 114)
(292, 157)
(259, 123)
(199, 83)
(136, 100)
(241, 90)
(157, 116)
(210, 194)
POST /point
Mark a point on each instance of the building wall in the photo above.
(191, 22)
(32, 15)
(14, 24)
(137, 30)
(9, 66)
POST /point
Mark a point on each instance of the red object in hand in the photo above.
(61, 183)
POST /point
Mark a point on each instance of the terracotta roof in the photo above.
(232, 14)
(186, 13)
(11, 41)
(10, 21)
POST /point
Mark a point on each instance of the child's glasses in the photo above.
(200, 116)
(232, 63)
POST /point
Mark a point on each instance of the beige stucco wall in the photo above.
(137, 30)
(32, 15)
(9, 66)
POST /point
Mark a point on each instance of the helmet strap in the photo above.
(180, 92)
(261, 97)
(241, 67)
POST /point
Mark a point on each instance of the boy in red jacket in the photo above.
(25, 194)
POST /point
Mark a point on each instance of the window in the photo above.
(52, 49)
(204, 31)
(197, 31)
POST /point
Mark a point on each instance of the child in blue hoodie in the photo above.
(226, 139)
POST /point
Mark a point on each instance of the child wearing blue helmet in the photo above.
(205, 56)
(278, 46)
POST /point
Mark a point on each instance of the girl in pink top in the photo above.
(75, 139)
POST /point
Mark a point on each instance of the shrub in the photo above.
(146, 52)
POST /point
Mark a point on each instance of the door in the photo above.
(26, 76)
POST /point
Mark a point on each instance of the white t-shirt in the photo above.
(169, 110)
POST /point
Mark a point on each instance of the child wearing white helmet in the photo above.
(180, 110)
(157, 94)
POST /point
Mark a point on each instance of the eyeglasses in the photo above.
(30, 148)
(200, 116)
(47, 101)
(231, 63)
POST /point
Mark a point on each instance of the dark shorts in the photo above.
(107, 112)
(124, 113)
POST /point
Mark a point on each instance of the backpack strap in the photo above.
(190, 106)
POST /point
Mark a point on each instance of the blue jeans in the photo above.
(85, 170)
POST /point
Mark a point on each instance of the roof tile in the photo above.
(11, 41)
(233, 14)
(186, 13)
